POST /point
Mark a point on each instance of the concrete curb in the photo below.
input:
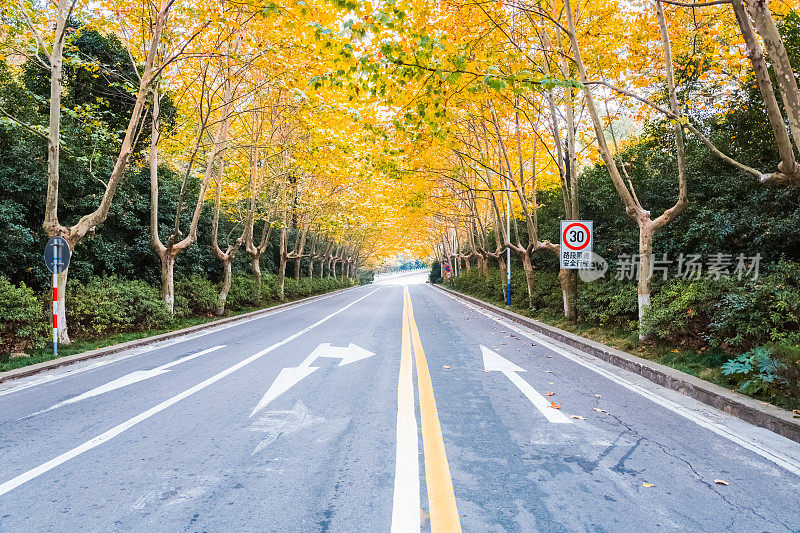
(30, 370)
(743, 407)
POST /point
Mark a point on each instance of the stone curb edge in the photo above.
(743, 407)
(36, 368)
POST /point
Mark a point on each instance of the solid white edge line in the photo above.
(15, 482)
(777, 458)
(148, 349)
(406, 498)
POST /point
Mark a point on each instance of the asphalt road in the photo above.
(385, 407)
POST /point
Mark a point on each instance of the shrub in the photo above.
(269, 287)
(291, 288)
(768, 369)
(23, 324)
(435, 274)
(680, 310)
(609, 302)
(365, 277)
(199, 293)
(547, 292)
(729, 313)
(109, 305)
(242, 293)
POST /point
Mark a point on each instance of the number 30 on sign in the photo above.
(577, 237)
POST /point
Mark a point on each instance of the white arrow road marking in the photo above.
(128, 379)
(493, 361)
(764, 448)
(348, 354)
(291, 376)
(33, 473)
(277, 423)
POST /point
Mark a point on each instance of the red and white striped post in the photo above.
(55, 299)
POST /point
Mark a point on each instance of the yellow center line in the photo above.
(441, 498)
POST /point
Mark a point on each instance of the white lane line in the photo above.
(12, 484)
(780, 459)
(493, 361)
(406, 500)
(47, 379)
(128, 379)
(71, 371)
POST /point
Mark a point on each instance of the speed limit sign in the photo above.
(577, 237)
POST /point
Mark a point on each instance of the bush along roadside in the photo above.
(742, 335)
(112, 309)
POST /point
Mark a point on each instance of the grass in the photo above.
(86, 345)
(705, 364)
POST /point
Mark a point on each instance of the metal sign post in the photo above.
(508, 250)
(56, 257)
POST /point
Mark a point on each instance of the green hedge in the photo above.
(25, 323)
(609, 302)
(110, 305)
(197, 294)
(728, 313)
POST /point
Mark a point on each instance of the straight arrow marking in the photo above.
(291, 376)
(128, 379)
(493, 361)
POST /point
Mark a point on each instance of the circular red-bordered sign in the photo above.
(585, 244)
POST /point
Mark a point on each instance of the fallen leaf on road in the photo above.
(486, 371)
(550, 383)
(597, 396)
(721, 482)
(502, 331)
(555, 405)
(446, 367)
(599, 410)
(577, 417)
(549, 371)
(548, 393)
(549, 356)
(533, 344)
(648, 484)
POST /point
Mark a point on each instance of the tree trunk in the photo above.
(569, 289)
(281, 277)
(779, 59)
(256, 262)
(311, 268)
(529, 278)
(168, 280)
(297, 269)
(226, 286)
(61, 313)
(645, 272)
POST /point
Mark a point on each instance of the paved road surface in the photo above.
(384, 407)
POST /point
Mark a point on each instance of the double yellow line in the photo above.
(441, 498)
